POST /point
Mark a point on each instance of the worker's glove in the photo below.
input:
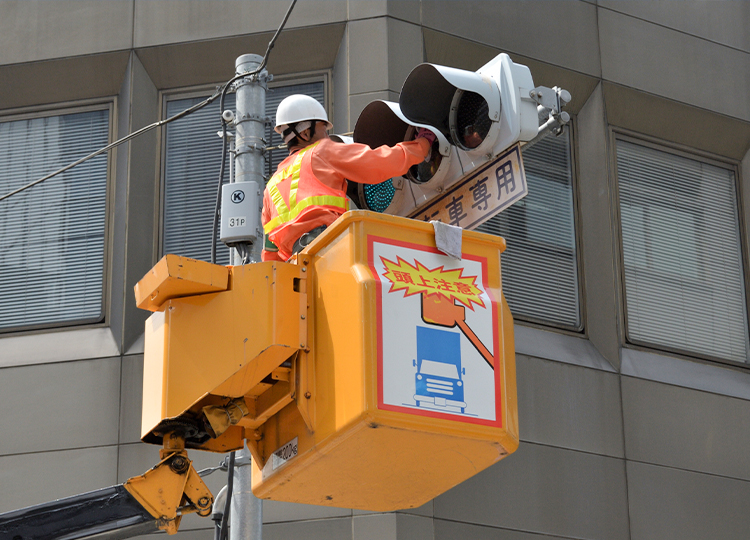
(426, 134)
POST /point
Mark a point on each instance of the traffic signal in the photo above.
(475, 169)
(482, 113)
(383, 123)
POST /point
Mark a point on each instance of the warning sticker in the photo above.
(437, 333)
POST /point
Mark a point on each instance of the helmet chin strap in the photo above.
(293, 133)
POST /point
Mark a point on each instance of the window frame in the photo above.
(694, 154)
(109, 104)
(205, 90)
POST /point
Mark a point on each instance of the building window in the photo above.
(682, 258)
(540, 269)
(52, 235)
(191, 168)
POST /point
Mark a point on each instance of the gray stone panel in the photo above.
(366, 9)
(548, 344)
(339, 115)
(118, 203)
(391, 526)
(723, 22)
(671, 504)
(360, 101)
(672, 64)
(131, 396)
(410, 527)
(368, 55)
(666, 119)
(174, 21)
(59, 406)
(32, 30)
(30, 479)
(744, 188)
(279, 512)
(374, 527)
(596, 229)
(569, 406)
(686, 429)
(562, 33)
(322, 529)
(408, 10)
(212, 61)
(686, 372)
(545, 490)
(45, 347)
(142, 203)
(451, 530)
(84, 77)
(405, 52)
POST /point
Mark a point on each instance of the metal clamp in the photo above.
(550, 102)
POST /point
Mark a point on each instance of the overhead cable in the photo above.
(261, 67)
(117, 143)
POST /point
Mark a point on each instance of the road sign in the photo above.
(482, 194)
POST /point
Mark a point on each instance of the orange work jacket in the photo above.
(309, 187)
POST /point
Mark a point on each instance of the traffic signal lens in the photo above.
(378, 197)
(424, 171)
(469, 119)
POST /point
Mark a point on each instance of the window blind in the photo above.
(52, 235)
(684, 282)
(191, 171)
(539, 266)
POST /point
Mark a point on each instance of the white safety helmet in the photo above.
(298, 108)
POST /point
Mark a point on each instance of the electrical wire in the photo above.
(261, 67)
(160, 123)
(118, 142)
(227, 504)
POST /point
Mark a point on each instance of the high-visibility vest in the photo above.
(305, 193)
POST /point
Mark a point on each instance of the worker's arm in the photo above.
(364, 165)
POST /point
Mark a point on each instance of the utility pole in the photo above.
(246, 514)
(250, 129)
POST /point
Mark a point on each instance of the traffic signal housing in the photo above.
(383, 123)
(483, 113)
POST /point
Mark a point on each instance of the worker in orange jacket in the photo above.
(308, 191)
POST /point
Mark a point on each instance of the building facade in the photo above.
(627, 266)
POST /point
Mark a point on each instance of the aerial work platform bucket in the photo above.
(403, 384)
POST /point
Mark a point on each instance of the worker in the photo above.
(308, 191)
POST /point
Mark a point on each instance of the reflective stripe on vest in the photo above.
(285, 213)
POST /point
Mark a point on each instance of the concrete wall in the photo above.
(617, 442)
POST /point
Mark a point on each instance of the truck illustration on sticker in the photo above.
(439, 384)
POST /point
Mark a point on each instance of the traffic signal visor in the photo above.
(383, 123)
(482, 112)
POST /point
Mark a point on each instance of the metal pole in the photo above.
(246, 514)
(250, 130)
